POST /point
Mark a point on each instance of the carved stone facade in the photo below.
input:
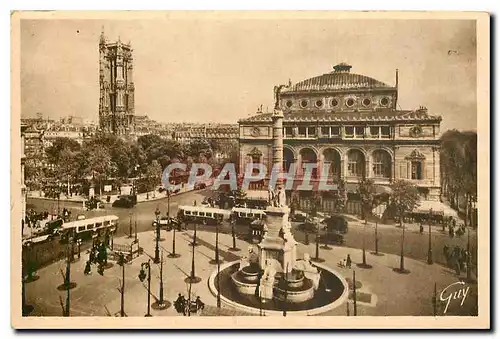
(116, 84)
(374, 140)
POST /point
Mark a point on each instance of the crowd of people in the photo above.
(457, 258)
(182, 305)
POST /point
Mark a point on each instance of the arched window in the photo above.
(332, 157)
(381, 164)
(355, 163)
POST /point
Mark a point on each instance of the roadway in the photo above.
(416, 244)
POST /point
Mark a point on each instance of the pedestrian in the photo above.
(421, 228)
(348, 261)
(87, 268)
(457, 268)
(179, 304)
(200, 305)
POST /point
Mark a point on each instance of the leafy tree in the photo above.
(97, 163)
(367, 193)
(199, 148)
(153, 175)
(404, 197)
(58, 146)
(459, 168)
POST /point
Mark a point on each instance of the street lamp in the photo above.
(316, 257)
(468, 258)
(216, 260)
(429, 253)
(161, 304)
(142, 277)
(354, 297)
(121, 262)
(157, 246)
(233, 234)
(192, 279)
(174, 224)
(130, 226)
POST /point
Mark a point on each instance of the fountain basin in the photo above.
(332, 292)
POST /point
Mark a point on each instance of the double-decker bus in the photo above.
(243, 215)
(202, 214)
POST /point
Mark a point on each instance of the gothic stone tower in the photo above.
(116, 83)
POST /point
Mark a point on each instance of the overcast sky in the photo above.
(221, 70)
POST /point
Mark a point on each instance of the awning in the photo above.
(425, 206)
(257, 195)
(379, 189)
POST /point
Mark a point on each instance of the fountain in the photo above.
(271, 277)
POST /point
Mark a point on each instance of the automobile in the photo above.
(200, 186)
(336, 223)
(333, 238)
(93, 203)
(124, 202)
(299, 217)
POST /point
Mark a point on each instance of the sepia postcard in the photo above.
(244, 170)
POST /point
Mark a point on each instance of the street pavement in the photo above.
(143, 213)
(416, 244)
(382, 291)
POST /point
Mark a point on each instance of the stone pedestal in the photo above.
(278, 248)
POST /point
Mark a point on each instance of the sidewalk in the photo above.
(383, 292)
(141, 197)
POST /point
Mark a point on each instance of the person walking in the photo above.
(348, 261)
(200, 305)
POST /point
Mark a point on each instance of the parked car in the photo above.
(124, 202)
(336, 223)
(299, 217)
(93, 203)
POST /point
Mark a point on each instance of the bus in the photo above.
(202, 214)
(245, 215)
(87, 227)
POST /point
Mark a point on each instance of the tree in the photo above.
(367, 192)
(404, 198)
(97, 162)
(153, 175)
(199, 148)
(459, 169)
(58, 146)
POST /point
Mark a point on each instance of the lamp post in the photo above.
(174, 224)
(218, 284)
(402, 257)
(376, 237)
(130, 226)
(135, 224)
(142, 276)
(79, 243)
(121, 262)
(192, 279)
(161, 304)
(157, 245)
(286, 291)
(429, 252)
(468, 259)
(354, 292)
(216, 260)
(316, 257)
(434, 301)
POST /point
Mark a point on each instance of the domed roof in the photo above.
(340, 79)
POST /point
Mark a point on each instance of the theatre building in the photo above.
(351, 122)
